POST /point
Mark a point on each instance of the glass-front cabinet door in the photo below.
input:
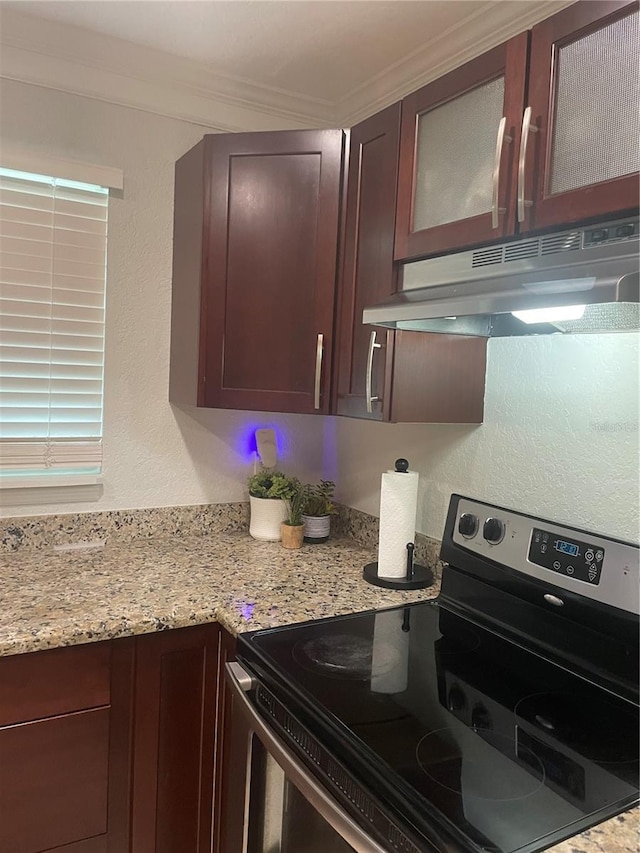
(579, 156)
(457, 152)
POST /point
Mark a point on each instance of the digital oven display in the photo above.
(566, 547)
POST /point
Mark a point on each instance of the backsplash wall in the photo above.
(560, 439)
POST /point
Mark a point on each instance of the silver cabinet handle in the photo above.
(527, 128)
(495, 210)
(369, 377)
(295, 771)
(319, 351)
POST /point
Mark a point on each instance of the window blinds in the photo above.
(53, 237)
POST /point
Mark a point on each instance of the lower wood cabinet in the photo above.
(174, 739)
(65, 747)
(113, 747)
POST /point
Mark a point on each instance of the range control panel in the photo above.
(589, 564)
(578, 560)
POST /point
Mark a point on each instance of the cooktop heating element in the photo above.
(502, 716)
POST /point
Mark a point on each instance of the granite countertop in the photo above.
(621, 834)
(52, 599)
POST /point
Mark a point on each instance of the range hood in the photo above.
(582, 280)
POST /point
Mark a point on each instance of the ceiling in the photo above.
(322, 59)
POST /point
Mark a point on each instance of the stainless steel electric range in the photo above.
(502, 716)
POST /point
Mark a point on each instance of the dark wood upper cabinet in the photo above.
(458, 144)
(539, 132)
(381, 374)
(583, 155)
(255, 243)
(528, 136)
(368, 274)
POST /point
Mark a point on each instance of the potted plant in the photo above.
(267, 493)
(292, 528)
(317, 511)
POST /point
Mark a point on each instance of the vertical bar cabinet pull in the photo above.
(495, 209)
(527, 128)
(373, 345)
(319, 351)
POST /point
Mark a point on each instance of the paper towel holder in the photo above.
(417, 577)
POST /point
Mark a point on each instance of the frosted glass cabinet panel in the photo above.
(456, 145)
(584, 98)
(458, 140)
(539, 132)
(597, 101)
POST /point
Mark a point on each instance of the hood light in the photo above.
(551, 315)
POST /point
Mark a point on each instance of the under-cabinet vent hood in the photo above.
(582, 280)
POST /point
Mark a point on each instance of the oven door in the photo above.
(270, 802)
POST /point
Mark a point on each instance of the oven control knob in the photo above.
(468, 525)
(493, 530)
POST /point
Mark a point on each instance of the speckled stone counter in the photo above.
(50, 599)
(621, 834)
(53, 599)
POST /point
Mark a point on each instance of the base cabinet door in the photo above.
(174, 740)
(226, 773)
(65, 733)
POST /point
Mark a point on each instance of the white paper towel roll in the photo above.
(398, 508)
(390, 658)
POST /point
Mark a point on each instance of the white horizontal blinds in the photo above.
(53, 236)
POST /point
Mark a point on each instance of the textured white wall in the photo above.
(154, 455)
(560, 439)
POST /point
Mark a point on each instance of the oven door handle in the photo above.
(239, 682)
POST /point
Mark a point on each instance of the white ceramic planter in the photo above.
(316, 528)
(267, 514)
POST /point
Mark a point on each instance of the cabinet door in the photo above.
(458, 138)
(438, 379)
(226, 772)
(386, 375)
(272, 208)
(64, 778)
(583, 155)
(368, 273)
(173, 766)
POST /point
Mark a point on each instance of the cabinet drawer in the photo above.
(53, 784)
(44, 684)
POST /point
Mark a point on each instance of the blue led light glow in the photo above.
(245, 444)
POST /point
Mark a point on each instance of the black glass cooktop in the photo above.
(453, 726)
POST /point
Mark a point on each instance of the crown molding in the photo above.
(76, 60)
(488, 26)
(73, 59)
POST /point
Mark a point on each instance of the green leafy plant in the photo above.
(269, 484)
(295, 502)
(276, 485)
(318, 499)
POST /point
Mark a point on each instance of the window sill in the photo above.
(41, 491)
(50, 481)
